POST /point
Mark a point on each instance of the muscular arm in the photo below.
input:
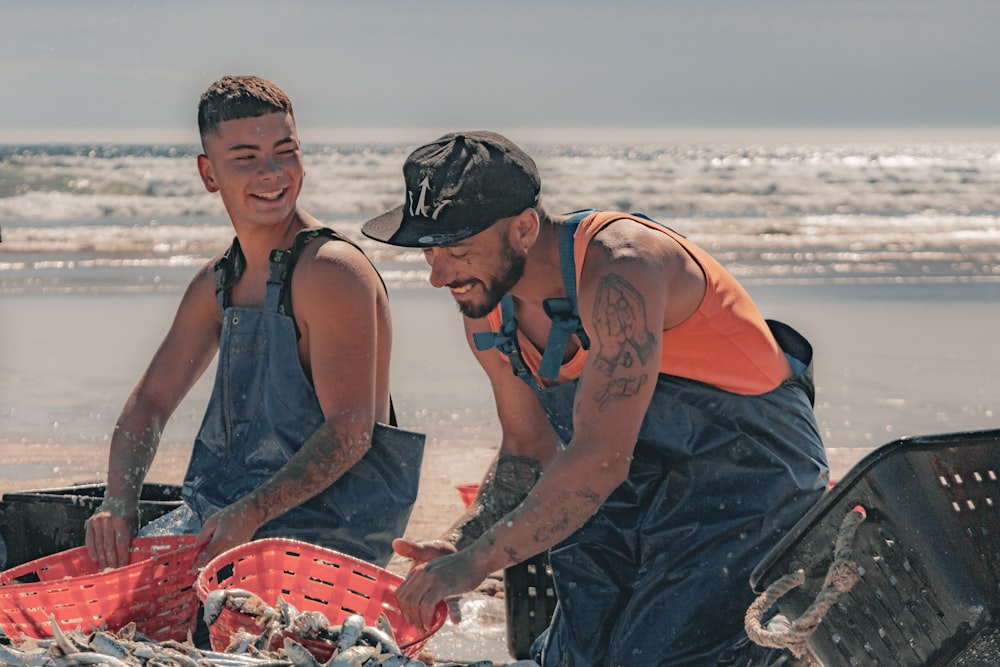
(527, 446)
(635, 283)
(507, 483)
(336, 305)
(614, 390)
(182, 357)
(622, 300)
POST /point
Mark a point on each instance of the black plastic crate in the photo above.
(928, 551)
(43, 522)
(530, 600)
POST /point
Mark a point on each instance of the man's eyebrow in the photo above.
(256, 147)
(244, 147)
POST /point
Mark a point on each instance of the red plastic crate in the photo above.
(155, 590)
(311, 578)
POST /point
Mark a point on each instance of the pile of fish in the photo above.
(125, 648)
(352, 643)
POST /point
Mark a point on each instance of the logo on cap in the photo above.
(421, 208)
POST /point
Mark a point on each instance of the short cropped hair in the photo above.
(235, 97)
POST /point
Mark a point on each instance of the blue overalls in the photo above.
(263, 408)
(660, 574)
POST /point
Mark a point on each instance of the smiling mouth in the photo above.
(270, 196)
(461, 289)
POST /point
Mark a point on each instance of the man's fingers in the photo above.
(207, 544)
(421, 552)
(123, 541)
(91, 541)
(454, 609)
(428, 608)
(403, 547)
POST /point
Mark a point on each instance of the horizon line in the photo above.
(540, 134)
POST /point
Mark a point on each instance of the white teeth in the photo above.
(462, 289)
(270, 195)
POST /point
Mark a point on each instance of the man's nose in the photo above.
(438, 262)
(269, 166)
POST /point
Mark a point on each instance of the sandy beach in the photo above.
(890, 361)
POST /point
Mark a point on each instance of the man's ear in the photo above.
(525, 229)
(207, 173)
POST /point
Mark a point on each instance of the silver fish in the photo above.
(299, 655)
(352, 656)
(372, 636)
(350, 631)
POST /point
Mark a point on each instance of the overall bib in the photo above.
(660, 574)
(263, 408)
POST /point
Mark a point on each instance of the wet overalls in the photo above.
(660, 574)
(263, 408)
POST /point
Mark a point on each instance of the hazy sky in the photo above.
(104, 68)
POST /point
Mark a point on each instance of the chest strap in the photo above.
(562, 311)
(229, 269)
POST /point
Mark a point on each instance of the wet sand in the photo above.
(891, 361)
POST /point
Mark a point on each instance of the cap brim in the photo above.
(386, 226)
(389, 228)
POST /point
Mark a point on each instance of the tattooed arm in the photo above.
(626, 292)
(345, 357)
(527, 446)
(508, 482)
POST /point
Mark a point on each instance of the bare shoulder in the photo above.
(627, 240)
(331, 263)
(631, 250)
(629, 257)
(200, 297)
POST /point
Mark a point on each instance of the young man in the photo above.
(657, 434)
(296, 439)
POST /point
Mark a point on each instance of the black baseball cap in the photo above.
(456, 187)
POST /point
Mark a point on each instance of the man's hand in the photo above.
(421, 552)
(109, 534)
(229, 527)
(431, 581)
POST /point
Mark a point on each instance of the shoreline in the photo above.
(890, 361)
(35, 467)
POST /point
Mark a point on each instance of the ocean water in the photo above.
(886, 254)
(125, 218)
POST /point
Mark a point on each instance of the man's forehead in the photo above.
(267, 125)
(259, 132)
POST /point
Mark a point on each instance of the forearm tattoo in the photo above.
(310, 471)
(511, 481)
(622, 334)
(555, 519)
(619, 388)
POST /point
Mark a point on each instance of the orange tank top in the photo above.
(725, 343)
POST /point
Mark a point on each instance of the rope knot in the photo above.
(841, 577)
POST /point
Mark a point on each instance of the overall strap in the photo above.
(562, 311)
(228, 270)
(505, 340)
(279, 288)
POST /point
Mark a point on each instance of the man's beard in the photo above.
(497, 287)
